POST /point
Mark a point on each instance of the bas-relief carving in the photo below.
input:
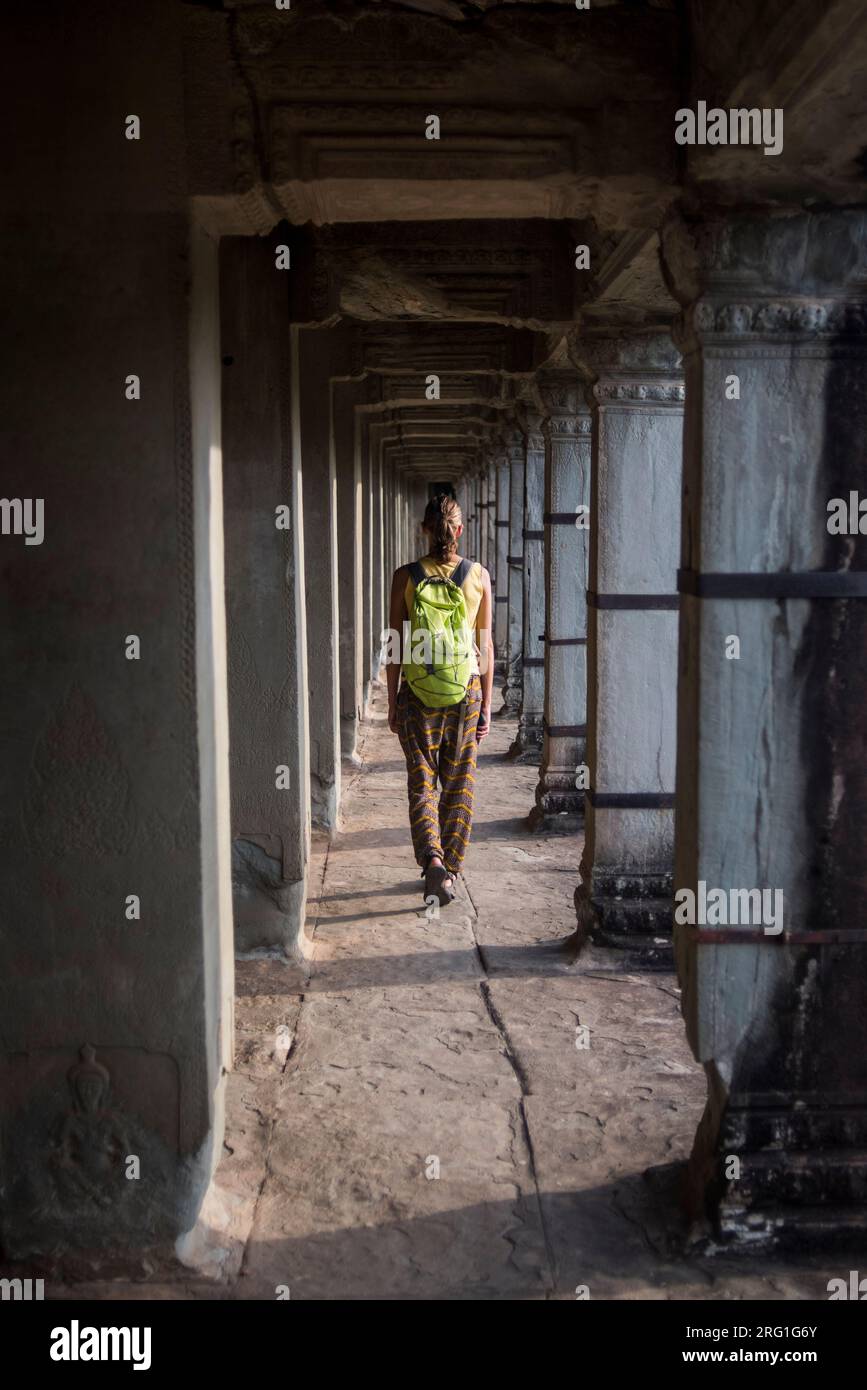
(247, 691)
(64, 1160)
(91, 1141)
(77, 798)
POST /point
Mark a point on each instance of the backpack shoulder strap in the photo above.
(460, 574)
(416, 572)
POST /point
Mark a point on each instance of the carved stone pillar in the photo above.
(264, 565)
(515, 560)
(624, 899)
(346, 446)
(320, 359)
(380, 579)
(491, 515)
(474, 497)
(527, 746)
(482, 506)
(559, 804)
(370, 642)
(500, 570)
(772, 716)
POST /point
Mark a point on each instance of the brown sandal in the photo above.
(439, 884)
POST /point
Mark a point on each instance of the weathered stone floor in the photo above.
(454, 1039)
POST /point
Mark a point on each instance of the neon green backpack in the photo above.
(438, 655)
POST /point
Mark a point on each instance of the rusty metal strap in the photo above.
(727, 936)
(632, 602)
(784, 584)
(564, 730)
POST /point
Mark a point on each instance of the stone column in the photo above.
(636, 391)
(462, 491)
(515, 446)
(484, 495)
(389, 507)
(116, 963)
(381, 577)
(368, 656)
(491, 515)
(772, 718)
(559, 804)
(473, 518)
(318, 362)
(500, 575)
(264, 561)
(527, 746)
(346, 446)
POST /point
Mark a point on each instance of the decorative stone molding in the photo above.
(768, 277)
(792, 318)
(531, 422)
(567, 426)
(566, 411)
(639, 391)
(640, 355)
(514, 442)
(766, 256)
(561, 397)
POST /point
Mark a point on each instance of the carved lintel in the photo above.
(618, 355)
(786, 276)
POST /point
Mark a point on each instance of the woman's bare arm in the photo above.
(485, 639)
(397, 616)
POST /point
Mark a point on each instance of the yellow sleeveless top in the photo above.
(473, 588)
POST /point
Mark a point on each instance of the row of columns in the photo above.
(713, 664)
(757, 713)
(709, 695)
(319, 511)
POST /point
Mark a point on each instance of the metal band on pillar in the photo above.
(632, 602)
(564, 730)
(809, 584)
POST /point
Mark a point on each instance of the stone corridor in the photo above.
(275, 279)
(407, 1040)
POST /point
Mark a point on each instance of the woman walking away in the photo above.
(441, 607)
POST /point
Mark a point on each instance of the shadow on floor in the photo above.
(516, 829)
(436, 966)
(622, 1239)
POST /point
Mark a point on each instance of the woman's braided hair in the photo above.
(442, 518)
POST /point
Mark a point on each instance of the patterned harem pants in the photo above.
(427, 737)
